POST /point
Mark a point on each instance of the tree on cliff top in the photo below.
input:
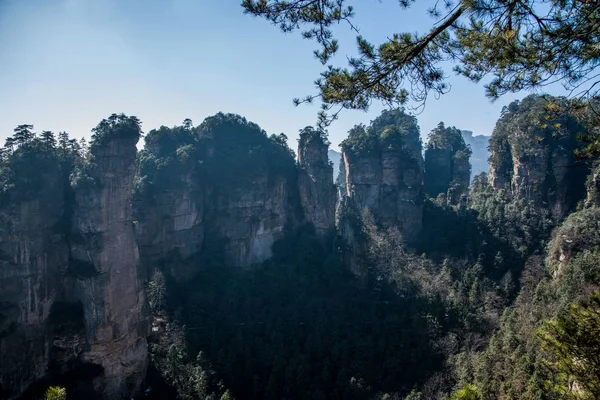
(117, 125)
(309, 134)
(450, 137)
(393, 129)
(519, 44)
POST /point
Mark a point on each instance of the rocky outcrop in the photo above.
(245, 221)
(384, 172)
(235, 193)
(315, 180)
(105, 267)
(354, 244)
(252, 218)
(447, 167)
(72, 304)
(33, 255)
(170, 224)
(536, 162)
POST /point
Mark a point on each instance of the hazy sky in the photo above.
(66, 64)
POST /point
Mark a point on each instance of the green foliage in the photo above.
(310, 134)
(392, 130)
(447, 168)
(458, 316)
(520, 45)
(116, 126)
(524, 224)
(56, 393)
(531, 130)
(226, 149)
(239, 145)
(28, 163)
(469, 392)
(157, 293)
(514, 365)
(395, 128)
(301, 326)
(502, 356)
(574, 342)
(443, 137)
(360, 141)
(578, 235)
(190, 378)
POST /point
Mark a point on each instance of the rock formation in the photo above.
(33, 254)
(104, 263)
(230, 189)
(384, 172)
(534, 160)
(447, 168)
(73, 303)
(578, 233)
(315, 179)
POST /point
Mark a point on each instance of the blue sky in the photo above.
(66, 64)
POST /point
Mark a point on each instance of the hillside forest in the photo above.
(219, 263)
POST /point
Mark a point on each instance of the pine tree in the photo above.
(63, 142)
(48, 138)
(23, 134)
(518, 44)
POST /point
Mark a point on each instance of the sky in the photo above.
(67, 64)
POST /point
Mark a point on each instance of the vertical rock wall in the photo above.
(315, 180)
(33, 256)
(447, 167)
(534, 160)
(107, 277)
(388, 184)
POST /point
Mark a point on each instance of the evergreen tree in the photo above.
(23, 134)
(63, 142)
(574, 341)
(519, 44)
(48, 138)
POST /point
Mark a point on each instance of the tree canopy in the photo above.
(512, 44)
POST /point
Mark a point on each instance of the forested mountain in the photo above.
(215, 264)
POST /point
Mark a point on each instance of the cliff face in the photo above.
(250, 219)
(104, 262)
(315, 180)
(33, 254)
(72, 305)
(534, 162)
(447, 167)
(170, 223)
(384, 172)
(247, 221)
(235, 191)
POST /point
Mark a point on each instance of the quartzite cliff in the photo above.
(82, 230)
